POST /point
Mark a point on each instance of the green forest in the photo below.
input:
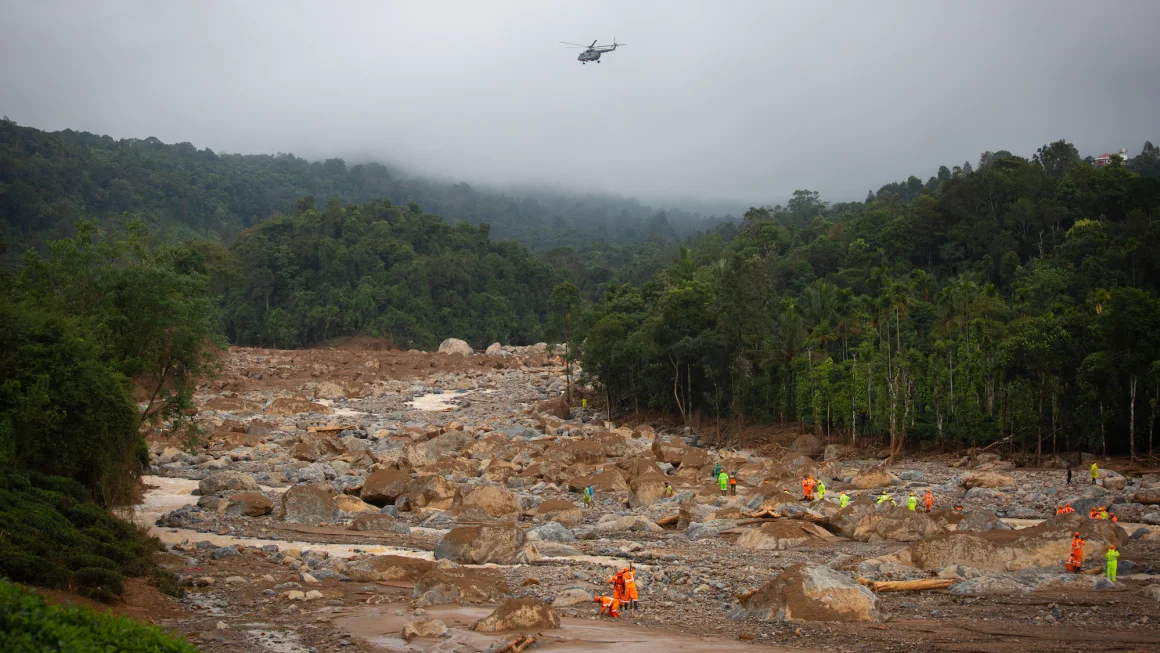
(1013, 299)
(49, 180)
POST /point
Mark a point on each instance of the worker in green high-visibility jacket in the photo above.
(821, 489)
(884, 497)
(723, 481)
(1113, 560)
(844, 500)
(911, 502)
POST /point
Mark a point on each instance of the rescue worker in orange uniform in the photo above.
(617, 582)
(609, 605)
(733, 484)
(808, 488)
(631, 595)
(928, 500)
(1067, 509)
(1095, 513)
(1075, 560)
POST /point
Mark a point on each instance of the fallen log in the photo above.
(328, 429)
(671, 520)
(517, 645)
(908, 585)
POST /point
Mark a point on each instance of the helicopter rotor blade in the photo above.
(574, 44)
(593, 43)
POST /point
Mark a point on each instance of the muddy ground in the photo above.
(391, 403)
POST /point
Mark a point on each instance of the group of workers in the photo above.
(1075, 559)
(624, 593)
(912, 500)
(726, 481)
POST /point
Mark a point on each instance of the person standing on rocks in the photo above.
(588, 496)
(631, 594)
(733, 484)
(808, 488)
(884, 497)
(723, 481)
(843, 499)
(912, 502)
(1095, 472)
(717, 470)
(1069, 474)
(668, 490)
(1075, 560)
(928, 500)
(821, 490)
(1113, 559)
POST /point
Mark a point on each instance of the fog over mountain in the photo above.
(742, 102)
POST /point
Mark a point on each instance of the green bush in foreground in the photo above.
(30, 624)
(55, 536)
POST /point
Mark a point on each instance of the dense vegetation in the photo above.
(56, 536)
(376, 268)
(1013, 300)
(98, 337)
(29, 624)
(48, 181)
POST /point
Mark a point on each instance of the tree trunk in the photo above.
(676, 389)
(1103, 435)
(854, 408)
(1039, 427)
(1133, 381)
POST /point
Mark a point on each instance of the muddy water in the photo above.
(434, 403)
(172, 493)
(382, 626)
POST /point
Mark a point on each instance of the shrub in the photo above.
(55, 536)
(28, 624)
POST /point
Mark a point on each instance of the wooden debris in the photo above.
(908, 585)
(671, 520)
(517, 645)
(328, 429)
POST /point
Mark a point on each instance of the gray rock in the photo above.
(1152, 519)
(390, 510)
(551, 532)
(699, 531)
(226, 552)
(912, 475)
(349, 484)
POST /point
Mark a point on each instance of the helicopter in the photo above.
(593, 52)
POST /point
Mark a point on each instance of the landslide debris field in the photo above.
(362, 499)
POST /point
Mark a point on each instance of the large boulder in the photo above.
(981, 521)
(353, 505)
(492, 500)
(576, 596)
(379, 522)
(1045, 545)
(308, 504)
(477, 545)
(455, 346)
(384, 486)
(812, 593)
(668, 450)
(226, 482)
(478, 584)
(560, 510)
(873, 478)
(808, 444)
(519, 614)
(781, 535)
(249, 504)
(315, 447)
(1115, 483)
(610, 523)
(431, 492)
(389, 567)
(551, 532)
(1147, 497)
(695, 458)
(986, 479)
(645, 490)
(556, 407)
(425, 628)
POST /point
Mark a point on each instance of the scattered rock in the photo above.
(226, 482)
(308, 504)
(425, 628)
(249, 504)
(811, 593)
(519, 614)
(455, 346)
(481, 544)
(986, 479)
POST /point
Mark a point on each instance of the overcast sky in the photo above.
(738, 100)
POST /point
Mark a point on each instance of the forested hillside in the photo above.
(50, 180)
(1014, 299)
